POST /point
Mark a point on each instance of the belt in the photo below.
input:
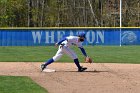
(61, 45)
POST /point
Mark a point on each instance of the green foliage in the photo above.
(19, 84)
(13, 13)
(50, 13)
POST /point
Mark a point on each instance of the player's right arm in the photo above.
(58, 43)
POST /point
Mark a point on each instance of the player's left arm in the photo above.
(80, 46)
(83, 51)
(87, 58)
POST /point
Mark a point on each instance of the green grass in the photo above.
(13, 84)
(102, 54)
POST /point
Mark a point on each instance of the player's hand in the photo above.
(88, 60)
(56, 44)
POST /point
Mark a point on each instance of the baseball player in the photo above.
(64, 48)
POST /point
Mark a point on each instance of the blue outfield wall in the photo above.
(94, 36)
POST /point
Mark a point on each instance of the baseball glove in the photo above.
(88, 60)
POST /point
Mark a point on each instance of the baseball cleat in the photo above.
(82, 69)
(42, 67)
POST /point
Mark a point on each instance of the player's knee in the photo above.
(74, 57)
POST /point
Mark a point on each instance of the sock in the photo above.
(77, 63)
(49, 62)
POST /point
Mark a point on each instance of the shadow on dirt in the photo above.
(85, 71)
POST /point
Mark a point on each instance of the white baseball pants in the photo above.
(64, 50)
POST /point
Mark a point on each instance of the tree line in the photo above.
(69, 13)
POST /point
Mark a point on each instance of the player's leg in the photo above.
(72, 54)
(54, 58)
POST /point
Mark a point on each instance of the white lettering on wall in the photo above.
(50, 37)
(37, 36)
(100, 34)
(71, 33)
(90, 36)
(60, 35)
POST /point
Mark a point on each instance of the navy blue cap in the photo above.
(82, 34)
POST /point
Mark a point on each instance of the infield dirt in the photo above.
(99, 77)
